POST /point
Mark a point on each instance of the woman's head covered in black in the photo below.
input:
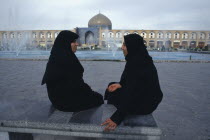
(64, 40)
(135, 47)
(62, 58)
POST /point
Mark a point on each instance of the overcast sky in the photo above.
(124, 14)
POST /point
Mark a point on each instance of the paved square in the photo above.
(184, 113)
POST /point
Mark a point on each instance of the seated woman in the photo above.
(64, 77)
(138, 91)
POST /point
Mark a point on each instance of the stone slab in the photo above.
(42, 118)
(90, 116)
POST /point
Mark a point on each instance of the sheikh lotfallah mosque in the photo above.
(100, 30)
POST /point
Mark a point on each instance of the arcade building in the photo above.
(100, 30)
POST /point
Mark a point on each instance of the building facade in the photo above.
(99, 31)
(167, 38)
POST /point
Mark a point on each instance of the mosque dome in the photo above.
(100, 20)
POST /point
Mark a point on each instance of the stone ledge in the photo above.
(27, 117)
(34, 127)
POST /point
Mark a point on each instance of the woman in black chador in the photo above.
(138, 91)
(64, 77)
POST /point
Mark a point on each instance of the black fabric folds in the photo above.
(64, 77)
(140, 92)
(62, 62)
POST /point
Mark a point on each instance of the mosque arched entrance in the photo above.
(89, 38)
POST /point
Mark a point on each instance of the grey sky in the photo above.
(127, 14)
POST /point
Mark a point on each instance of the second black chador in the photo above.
(64, 77)
(140, 92)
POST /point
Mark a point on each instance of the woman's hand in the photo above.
(110, 125)
(113, 87)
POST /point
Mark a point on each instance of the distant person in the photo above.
(138, 91)
(66, 88)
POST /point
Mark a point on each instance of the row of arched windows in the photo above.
(34, 35)
(160, 35)
(119, 35)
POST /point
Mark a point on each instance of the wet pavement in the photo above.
(183, 114)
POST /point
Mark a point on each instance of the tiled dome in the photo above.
(99, 19)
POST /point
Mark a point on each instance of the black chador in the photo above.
(64, 78)
(140, 92)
